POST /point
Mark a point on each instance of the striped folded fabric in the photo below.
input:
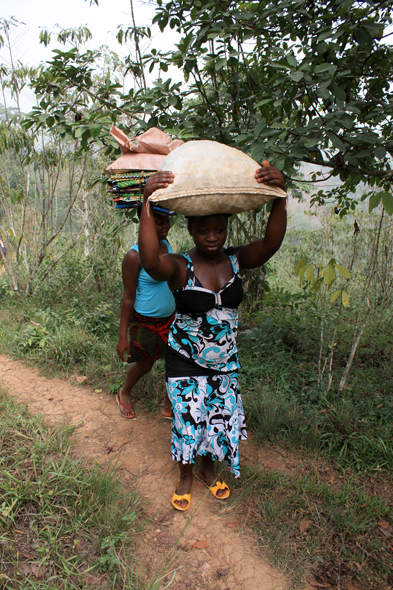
(127, 190)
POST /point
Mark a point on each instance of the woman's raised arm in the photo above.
(159, 267)
(258, 252)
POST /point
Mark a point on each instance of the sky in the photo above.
(102, 20)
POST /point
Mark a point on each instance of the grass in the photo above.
(285, 404)
(71, 339)
(62, 524)
(352, 430)
(278, 349)
(334, 532)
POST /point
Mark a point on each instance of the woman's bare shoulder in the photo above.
(131, 258)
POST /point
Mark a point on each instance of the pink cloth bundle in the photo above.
(144, 152)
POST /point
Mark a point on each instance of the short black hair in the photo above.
(191, 219)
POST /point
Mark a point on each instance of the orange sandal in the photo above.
(186, 497)
(129, 416)
(218, 485)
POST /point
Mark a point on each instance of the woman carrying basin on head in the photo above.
(202, 359)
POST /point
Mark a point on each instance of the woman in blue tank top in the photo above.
(147, 312)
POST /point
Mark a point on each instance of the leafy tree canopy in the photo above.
(307, 81)
(294, 82)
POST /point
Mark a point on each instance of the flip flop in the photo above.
(218, 485)
(131, 416)
(165, 417)
(186, 497)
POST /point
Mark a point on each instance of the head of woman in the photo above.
(161, 221)
(209, 232)
(162, 225)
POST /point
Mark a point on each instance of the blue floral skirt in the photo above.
(208, 417)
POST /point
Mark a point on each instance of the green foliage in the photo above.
(286, 82)
(383, 196)
(281, 298)
(322, 522)
(72, 516)
(60, 111)
(33, 336)
(286, 391)
(311, 89)
(285, 401)
(268, 413)
(317, 275)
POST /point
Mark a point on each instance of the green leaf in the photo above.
(310, 272)
(80, 131)
(387, 201)
(296, 75)
(324, 34)
(365, 153)
(291, 59)
(95, 130)
(345, 298)
(337, 91)
(380, 152)
(264, 101)
(254, 77)
(302, 270)
(323, 93)
(346, 121)
(363, 37)
(67, 569)
(321, 68)
(335, 296)
(374, 201)
(336, 141)
(317, 285)
(312, 141)
(28, 124)
(343, 270)
(329, 275)
(220, 63)
(67, 135)
(301, 263)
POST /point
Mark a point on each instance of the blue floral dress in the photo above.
(202, 371)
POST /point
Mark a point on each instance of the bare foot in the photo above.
(167, 410)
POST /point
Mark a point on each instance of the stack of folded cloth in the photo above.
(127, 188)
(127, 177)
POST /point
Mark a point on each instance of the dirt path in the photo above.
(227, 557)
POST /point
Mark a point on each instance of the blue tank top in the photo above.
(153, 298)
